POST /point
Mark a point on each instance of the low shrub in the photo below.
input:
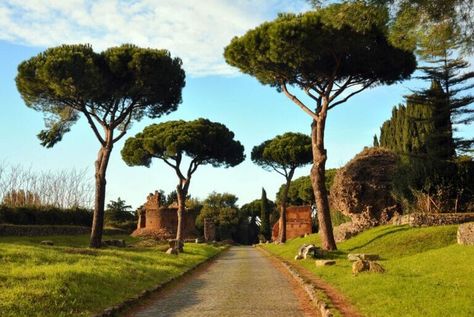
(45, 216)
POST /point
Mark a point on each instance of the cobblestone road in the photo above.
(241, 282)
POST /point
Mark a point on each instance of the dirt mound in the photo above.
(362, 188)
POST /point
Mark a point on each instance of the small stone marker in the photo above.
(465, 234)
(362, 256)
(366, 266)
(47, 242)
(325, 262)
(199, 240)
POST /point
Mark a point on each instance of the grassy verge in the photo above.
(68, 279)
(428, 274)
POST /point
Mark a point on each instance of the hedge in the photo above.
(45, 216)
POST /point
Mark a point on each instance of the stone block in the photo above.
(465, 234)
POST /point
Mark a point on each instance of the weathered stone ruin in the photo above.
(161, 222)
(298, 222)
(362, 188)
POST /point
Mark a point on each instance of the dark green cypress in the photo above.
(265, 229)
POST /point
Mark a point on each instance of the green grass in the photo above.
(428, 274)
(68, 279)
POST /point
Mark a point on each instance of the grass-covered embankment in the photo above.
(427, 273)
(68, 279)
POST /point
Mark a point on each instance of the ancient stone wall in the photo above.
(162, 222)
(433, 219)
(298, 222)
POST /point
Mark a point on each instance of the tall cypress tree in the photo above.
(265, 228)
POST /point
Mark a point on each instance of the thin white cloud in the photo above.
(195, 30)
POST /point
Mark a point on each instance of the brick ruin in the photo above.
(298, 222)
(161, 222)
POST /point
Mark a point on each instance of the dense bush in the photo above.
(45, 216)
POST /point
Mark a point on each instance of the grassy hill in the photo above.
(427, 273)
(68, 279)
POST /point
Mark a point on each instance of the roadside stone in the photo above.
(366, 266)
(376, 267)
(308, 250)
(465, 234)
(325, 262)
(362, 256)
(47, 242)
(360, 266)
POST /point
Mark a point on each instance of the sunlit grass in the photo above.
(428, 274)
(68, 279)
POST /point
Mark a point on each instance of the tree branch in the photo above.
(351, 94)
(298, 102)
(93, 126)
(341, 89)
(124, 128)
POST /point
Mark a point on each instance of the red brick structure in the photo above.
(161, 222)
(298, 222)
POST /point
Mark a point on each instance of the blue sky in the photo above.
(196, 31)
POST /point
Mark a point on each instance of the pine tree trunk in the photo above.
(99, 202)
(318, 181)
(282, 224)
(181, 192)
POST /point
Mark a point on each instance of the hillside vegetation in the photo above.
(427, 273)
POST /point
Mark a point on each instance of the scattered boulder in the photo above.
(114, 243)
(360, 266)
(465, 234)
(47, 242)
(307, 250)
(362, 256)
(362, 188)
(325, 262)
(366, 266)
(376, 267)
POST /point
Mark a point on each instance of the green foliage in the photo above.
(223, 211)
(120, 215)
(301, 190)
(69, 279)
(284, 153)
(319, 45)
(204, 141)
(265, 210)
(45, 216)
(419, 265)
(67, 80)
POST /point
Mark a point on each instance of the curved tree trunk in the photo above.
(182, 192)
(318, 181)
(99, 201)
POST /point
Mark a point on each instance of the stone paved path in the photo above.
(241, 282)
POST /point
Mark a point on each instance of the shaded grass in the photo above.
(428, 274)
(68, 279)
